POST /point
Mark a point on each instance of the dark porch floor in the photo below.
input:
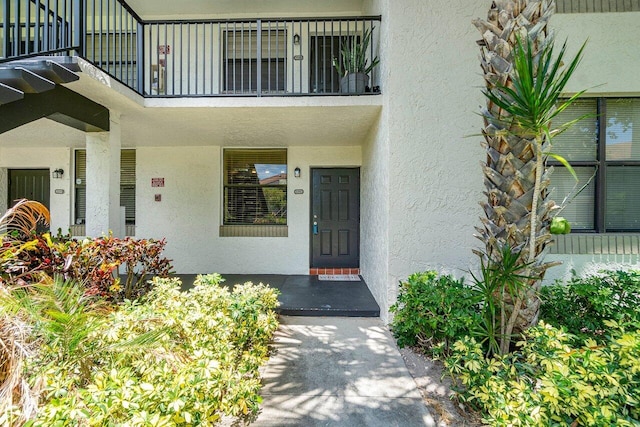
(302, 295)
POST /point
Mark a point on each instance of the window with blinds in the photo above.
(127, 185)
(604, 151)
(255, 187)
(240, 60)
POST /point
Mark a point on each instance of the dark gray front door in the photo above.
(32, 184)
(335, 218)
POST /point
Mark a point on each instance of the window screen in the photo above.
(255, 186)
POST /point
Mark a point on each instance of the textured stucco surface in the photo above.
(99, 183)
(4, 186)
(374, 259)
(611, 60)
(435, 177)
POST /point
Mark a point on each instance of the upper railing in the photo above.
(29, 27)
(181, 58)
(251, 57)
(597, 6)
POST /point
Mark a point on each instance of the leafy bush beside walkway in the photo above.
(173, 358)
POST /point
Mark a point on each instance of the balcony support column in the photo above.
(6, 47)
(103, 181)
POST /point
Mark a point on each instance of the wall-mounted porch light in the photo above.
(296, 39)
(58, 173)
(296, 172)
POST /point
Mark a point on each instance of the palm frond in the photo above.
(23, 218)
(534, 97)
(16, 345)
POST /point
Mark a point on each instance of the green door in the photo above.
(32, 184)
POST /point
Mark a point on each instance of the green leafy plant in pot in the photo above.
(355, 67)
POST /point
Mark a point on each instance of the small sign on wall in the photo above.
(164, 49)
(157, 182)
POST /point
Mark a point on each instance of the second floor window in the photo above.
(604, 151)
(247, 57)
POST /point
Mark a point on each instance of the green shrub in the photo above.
(547, 382)
(96, 262)
(583, 305)
(171, 359)
(433, 311)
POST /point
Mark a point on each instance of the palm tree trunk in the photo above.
(515, 214)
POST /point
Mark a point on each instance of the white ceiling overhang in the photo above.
(154, 9)
(221, 121)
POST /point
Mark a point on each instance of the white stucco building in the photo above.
(217, 106)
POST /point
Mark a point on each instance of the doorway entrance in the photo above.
(32, 184)
(335, 218)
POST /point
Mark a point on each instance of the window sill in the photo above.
(254, 231)
(78, 230)
(596, 244)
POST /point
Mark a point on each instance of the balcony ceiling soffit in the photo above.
(240, 126)
(153, 8)
(253, 126)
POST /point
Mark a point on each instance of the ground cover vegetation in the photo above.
(81, 346)
(519, 353)
(579, 366)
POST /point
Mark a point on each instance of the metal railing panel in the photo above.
(39, 27)
(261, 57)
(111, 40)
(182, 58)
(597, 6)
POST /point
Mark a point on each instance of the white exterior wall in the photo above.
(435, 180)
(611, 59)
(103, 181)
(42, 158)
(430, 106)
(588, 264)
(4, 185)
(375, 209)
(189, 214)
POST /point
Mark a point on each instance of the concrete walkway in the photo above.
(337, 371)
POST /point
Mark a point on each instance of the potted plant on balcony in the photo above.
(354, 68)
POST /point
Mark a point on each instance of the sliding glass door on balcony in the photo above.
(323, 76)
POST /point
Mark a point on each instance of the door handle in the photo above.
(315, 227)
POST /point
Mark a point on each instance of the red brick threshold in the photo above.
(316, 271)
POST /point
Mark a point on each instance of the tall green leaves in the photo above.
(528, 105)
(534, 98)
(354, 55)
(501, 281)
